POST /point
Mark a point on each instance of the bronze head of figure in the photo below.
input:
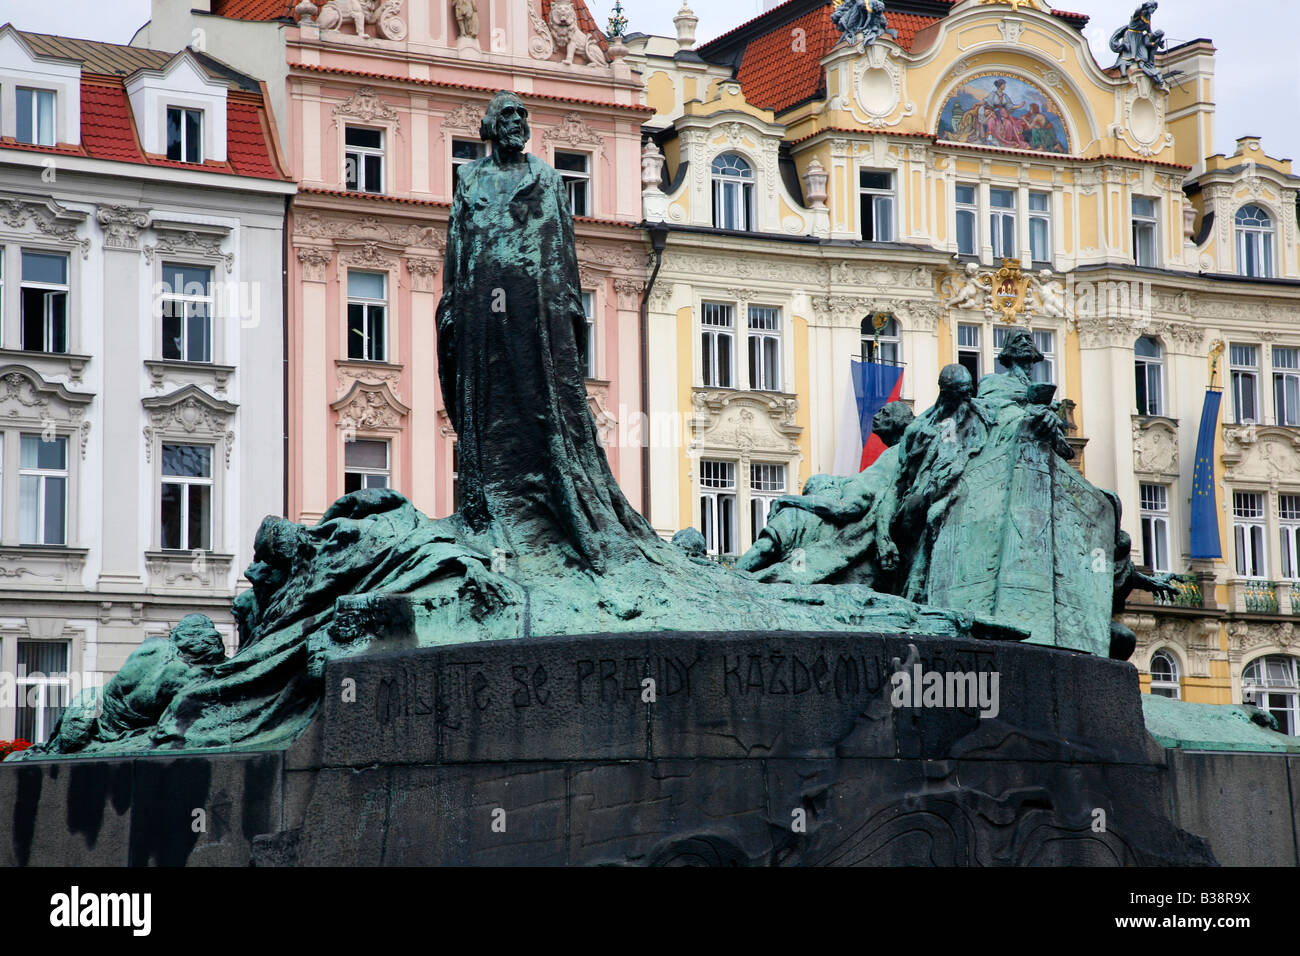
(505, 124)
(1019, 351)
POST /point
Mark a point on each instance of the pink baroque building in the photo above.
(378, 111)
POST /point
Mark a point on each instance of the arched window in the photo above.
(1149, 369)
(1254, 242)
(733, 193)
(885, 350)
(1274, 683)
(1164, 675)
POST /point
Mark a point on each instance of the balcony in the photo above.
(1189, 593)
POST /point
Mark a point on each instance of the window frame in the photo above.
(1262, 236)
(888, 341)
(22, 683)
(589, 310)
(1146, 366)
(363, 153)
(458, 161)
(38, 96)
(208, 481)
(1250, 536)
(49, 288)
(170, 295)
(367, 304)
(999, 217)
(719, 501)
(572, 179)
(1043, 216)
(971, 210)
(1288, 523)
(44, 475)
(1155, 523)
(764, 497)
(888, 195)
(968, 350)
(710, 334)
(1255, 677)
(1145, 224)
(767, 341)
(184, 142)
(366, 472)
(1286, 378)
(1172, 686)
(1238, 374)
(745, 181)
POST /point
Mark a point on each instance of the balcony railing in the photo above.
(1189, 593)
(1261, 597)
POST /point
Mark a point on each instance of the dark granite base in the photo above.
(756, 750)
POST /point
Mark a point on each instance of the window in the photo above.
(718, 506)
(365, 464)
(1244, 362)
(588, 309)
(1149, 369)
(575, 171)
(184, 135)
(463, 151)
(967, 221)
(1286, 385)
(367, 316)
(187, 497)
(1154, 501)
(969, 354)
(733, 193)
(457, 498)
(876, 205)
(1045, 371)
(186, 313)
(43, 490)
(1040, 227)
(44, 302)
(1248, 532)
(764, 348)
(883, 349)
(1145, 230)
(363, 166)
(766, 484)
(1275, 684)
(43, 688)
(1288, 516)
(35, 116)
(717, 338)
(1002, 223)
(1254, 243)
(1164, 675)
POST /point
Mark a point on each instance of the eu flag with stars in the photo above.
(1205, 511)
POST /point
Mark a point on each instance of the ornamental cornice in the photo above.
(45, 216)
(122, 225)
(314, 225)
(369, 407)
(365, 105)
(574, 131)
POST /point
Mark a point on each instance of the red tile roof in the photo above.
(108, 132)
(775, 74)
(254, 9)
(444, 84)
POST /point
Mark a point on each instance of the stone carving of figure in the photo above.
(564, 28)
(969, 293)
(466, 12)
(360, 12)
(1051, 295)
(862, 21)
(1137, 44)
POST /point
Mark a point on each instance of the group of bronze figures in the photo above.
(966, 526)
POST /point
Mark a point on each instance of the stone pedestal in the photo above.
(712, 748)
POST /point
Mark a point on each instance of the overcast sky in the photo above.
(1257, 66)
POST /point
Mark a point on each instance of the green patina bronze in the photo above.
(968, 526)
(1178, 724)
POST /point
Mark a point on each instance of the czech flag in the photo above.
(871, 387)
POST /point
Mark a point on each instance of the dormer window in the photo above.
(184, 135)
(363, 166)
(35, 116)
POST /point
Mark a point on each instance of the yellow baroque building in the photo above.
(805, 191)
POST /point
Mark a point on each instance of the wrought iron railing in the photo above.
(1189, 593)
(1260, 597)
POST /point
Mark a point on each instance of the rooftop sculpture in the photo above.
(862, 21)
(968, 527)
(1137, 44)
